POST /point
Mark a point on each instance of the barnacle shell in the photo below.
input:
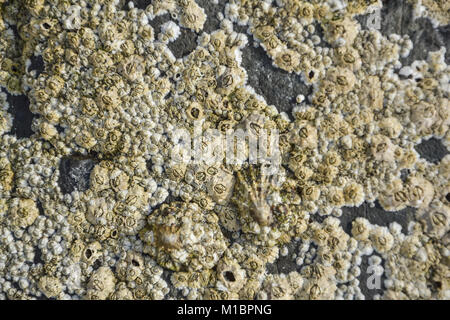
(436, 221)
(101, 284)
(184, 237)
(230, 275)
(23, 212)
(50, 286)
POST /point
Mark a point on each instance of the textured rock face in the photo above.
(278, 88)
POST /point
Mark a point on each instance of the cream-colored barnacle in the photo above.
(51, 287)
(119, 180)
(333, 158)
(436, 221)
(361, 229)
(91, 252)
(230, 275)
(184, 237)
(408, 158)
(231, 79)
(88, 106)
(304, 135)
(72, 57)
(76, 250)
(47, 130)
(96, 211)
(23, 212)
(6, 174)
(46, 26)
(353, 194)
(342, 78)
(101, 59)
(322, 12)
(34, 6)
(147, 33)
(5, 121)
(41, 95)
(326, 174)
(253, 125)
(348, 57)
(394, 196)
(99, 178)
(264, 33)
(73, 40)
(55, 84)
(193, 17)
(220, 186)
(310, 192)
(287, 60)
(107, 99)
(424, 115)
(101, 284)
(382, 148)
(107, 32)
(420, 192)
(391, 127)
(345, 29)
(336, 197)
(176, 171)
(130, 268)
(195, 111)
(127, 48)
(132, 67)
(306, 13)
(85, 140)
(321, 97)
(382, 240)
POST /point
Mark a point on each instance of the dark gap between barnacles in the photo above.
(278, 87)
(184, 44)
(432, 150)
(74, 173)
(23, 117)
(376, 215)
(364, 279)
(37, 64)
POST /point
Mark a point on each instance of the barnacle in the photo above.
(257, 202)
(180, 226)
(107, 102)
(50, 286)
(6, 174)
(436, 221)
(230, 275)
(23, 212)
(101, 284)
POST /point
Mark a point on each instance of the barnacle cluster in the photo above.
(149, 226)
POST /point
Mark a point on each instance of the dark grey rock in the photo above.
(19, 107)
(184, 44)
(74, 174)
(277, 86)
(37, 64)
(376, 215)
(397, 17)
(432, 150)
(285, 264)
(212, 22)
